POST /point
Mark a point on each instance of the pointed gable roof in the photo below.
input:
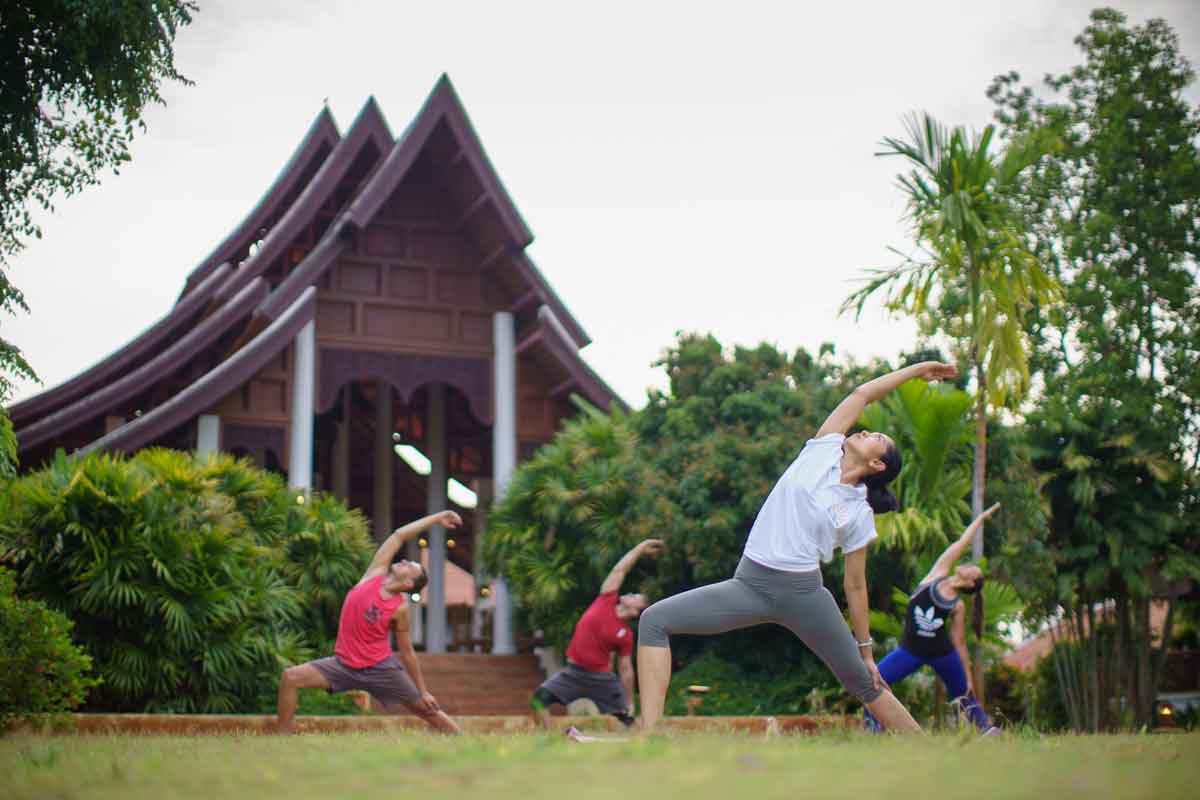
(444, 107)
(202, 283)
(320, 139)
(235, 303)
(369, 131)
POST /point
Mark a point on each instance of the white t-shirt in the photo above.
(810, 512)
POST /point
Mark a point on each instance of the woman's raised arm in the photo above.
(849, 410)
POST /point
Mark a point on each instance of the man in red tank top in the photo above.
(602, 631)
(363, 657)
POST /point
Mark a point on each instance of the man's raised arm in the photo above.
(613, 582)
(391, 545)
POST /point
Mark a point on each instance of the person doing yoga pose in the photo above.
(827, 498)
(925, 640)
(374, 609)
(601, 632)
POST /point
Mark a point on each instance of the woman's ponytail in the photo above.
(878, 497)
(881, 500)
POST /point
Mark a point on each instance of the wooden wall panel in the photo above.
(384, 240)
(460, 288)
(439, 248)
(335, 317)
(408, 204)
(268, 397)
(262, 399)
(358, 278)
(408, 283)
(388, 322)
(475, 329)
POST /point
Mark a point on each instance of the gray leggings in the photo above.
(756, 594)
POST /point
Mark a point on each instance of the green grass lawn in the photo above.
(529, 767)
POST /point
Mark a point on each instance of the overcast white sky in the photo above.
(683, 165)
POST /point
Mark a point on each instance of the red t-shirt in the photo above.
(598, 634)
(362, 639)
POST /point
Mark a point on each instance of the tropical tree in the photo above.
(978, 278)
(565, 520)
(75, 78)
(978, 263)
(1116, 215)
(1123, 515)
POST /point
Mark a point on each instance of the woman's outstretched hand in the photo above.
(876, 679)
(937, 371)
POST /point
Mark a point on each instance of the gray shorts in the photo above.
(756, 594)
(386, 681)
(602, 688)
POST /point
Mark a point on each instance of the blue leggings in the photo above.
(899, 664)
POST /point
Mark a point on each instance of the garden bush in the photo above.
(41, 670)
(191, 582)
(809, 688)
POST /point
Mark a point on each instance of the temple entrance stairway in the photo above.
(470, 684)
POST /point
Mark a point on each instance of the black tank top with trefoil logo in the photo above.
(926, 622)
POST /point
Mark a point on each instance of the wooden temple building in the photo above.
(379, 293)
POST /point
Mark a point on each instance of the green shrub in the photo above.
(41, 670)
(1009, 694)
(808, 689)
(1047, 711)
(192, 583)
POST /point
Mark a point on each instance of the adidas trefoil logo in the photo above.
(927, 624)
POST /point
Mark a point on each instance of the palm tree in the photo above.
(980, 277)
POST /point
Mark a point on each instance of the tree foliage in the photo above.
(565, 521)
(1122, 522)
(978, 277)
(190, 582)
(1117, 215)
(75, 78)
(1115, 211)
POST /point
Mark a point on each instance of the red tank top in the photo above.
(362, 639)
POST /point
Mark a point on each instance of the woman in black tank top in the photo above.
(927, 620)
(935, 629)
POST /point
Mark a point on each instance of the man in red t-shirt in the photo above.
(363, 657)
(601, 632)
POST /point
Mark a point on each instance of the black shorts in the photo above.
(602, 688)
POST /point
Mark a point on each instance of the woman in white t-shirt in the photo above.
(827, 499)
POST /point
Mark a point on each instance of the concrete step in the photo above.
(473, 663)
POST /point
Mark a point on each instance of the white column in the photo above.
(341, 450)
(435, 438)
(304, 362)
(483, 496)
(504, 458)
(208, 434)
(385, 457)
